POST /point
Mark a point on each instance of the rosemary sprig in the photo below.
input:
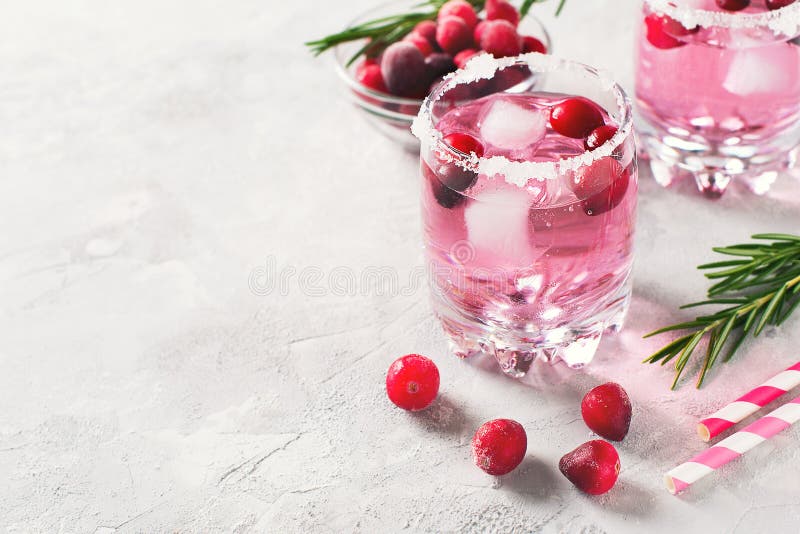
(384, 31)
(760, 287)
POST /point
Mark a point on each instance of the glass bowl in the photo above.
(393, 115)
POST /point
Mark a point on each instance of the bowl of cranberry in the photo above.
(389, 83)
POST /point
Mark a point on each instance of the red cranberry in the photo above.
(601, 186)
(673, 27)
(439, 64)
(404, 70)
(445, 196)
(502, 10)
(575, 117)
(461, 9)
(464, 56)
(500, 39)
(476, 34)
(599, 136)
(454, 176)
(772, 5)
(593, 467)
(453, 35)
(427, 29)
(420, 42)
(532, 44)
(412, 382)
(499, 446)
(371, 76)
(606, 410)
(464, 143)
(733, 5)
(657, 34)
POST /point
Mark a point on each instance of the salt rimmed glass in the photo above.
(521, 267)
(719, 91)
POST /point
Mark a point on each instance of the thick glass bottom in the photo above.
(715, 167)
(574, 344)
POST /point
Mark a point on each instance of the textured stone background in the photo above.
(156, 157)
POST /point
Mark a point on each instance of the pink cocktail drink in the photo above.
(528, 232)
(720, 90)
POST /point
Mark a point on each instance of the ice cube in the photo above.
(498, 228)
(761, 70)
(508, 126)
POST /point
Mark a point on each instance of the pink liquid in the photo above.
(728, 90)
(533, 259)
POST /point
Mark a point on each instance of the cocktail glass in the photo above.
(529, 245)
(719, 91)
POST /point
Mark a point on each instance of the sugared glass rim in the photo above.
(519, 173)
(783, 21)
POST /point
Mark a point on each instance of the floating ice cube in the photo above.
(761, 70)
(498, 228)
(508, 126)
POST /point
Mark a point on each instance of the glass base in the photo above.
(575, 345)
(673, 159)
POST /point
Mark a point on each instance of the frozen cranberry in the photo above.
(453, 35)
(502, 10)
(777, 4)
(575, 117)
(404, 70)
(593, 467)
(601, 186)
(464, 56)
(510, 76)
(733, 5)
(412, 382)
(532, 44)
(371, 76)
(500, 39)
(606, 410)
(427, 29)
(461, 9)
(420, 42)
(657, 34)
(439, 64)
(445, 196)
(599, 136)
(499, 446)
(476, 34)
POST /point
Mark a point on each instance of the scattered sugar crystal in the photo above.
(508, 126)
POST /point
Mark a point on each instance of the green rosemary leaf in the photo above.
(715, 347)
(760, 287)
(668, 350)
(718, 264)
(770, 309)
(679, 326)
(740, 250)
(740, 300)
(788, 312)
(778, 237)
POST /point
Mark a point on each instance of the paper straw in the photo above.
(732, 447)
(749, 403)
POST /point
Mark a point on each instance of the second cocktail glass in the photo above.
(528, 203)
(720, 90)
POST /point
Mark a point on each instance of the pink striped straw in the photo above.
(732, 447)
(749, 403)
